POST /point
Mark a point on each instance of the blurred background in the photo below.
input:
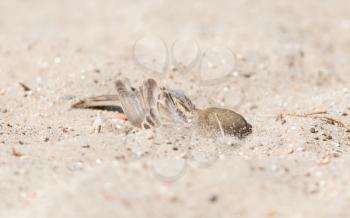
(287, 56)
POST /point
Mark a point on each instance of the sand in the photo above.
(291, 56)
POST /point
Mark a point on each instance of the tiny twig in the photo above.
(16, 153)
(24, 87)
(295, 114)
(315, 115)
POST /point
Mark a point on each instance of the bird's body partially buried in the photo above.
(150, 106)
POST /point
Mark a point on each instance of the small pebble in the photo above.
(291, 151)
(76, 166)
(312, 130)
(325, 160)
(336, 155)
(149, 135)
(213, 198)
(67, 129)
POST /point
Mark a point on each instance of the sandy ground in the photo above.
(292, 56)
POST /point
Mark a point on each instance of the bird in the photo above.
(152, 106)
